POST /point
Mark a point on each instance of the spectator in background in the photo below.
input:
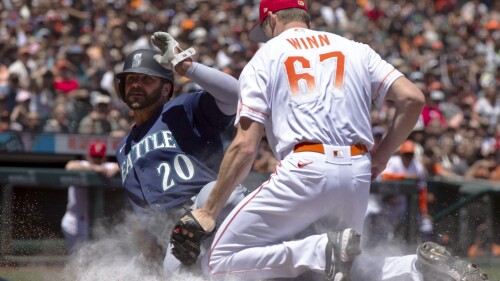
(487, 168)
(447, 157)
(30, 127)
(472, 10)
(22, 67)
(4, 121)
(79, 106)
(44, 95)
(417, 135)
(32, 123)
(59, 123)
(488, 106)
(20, 111)
(121, 124)
(334, 14)
(3, 106)
(75, 222)
(10, 91)
(76, 56)
(431, 109)
(451, 111)
(65, 80)
(97, 121)
(4, 88)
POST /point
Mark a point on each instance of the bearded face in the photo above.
(140, 99)
(142, 91)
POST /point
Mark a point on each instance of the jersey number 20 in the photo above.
(165, 170)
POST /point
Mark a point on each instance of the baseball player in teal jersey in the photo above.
(312, 92)
(174, 149)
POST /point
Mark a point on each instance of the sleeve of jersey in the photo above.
(253, 102)
(382, 75)
(223, 87)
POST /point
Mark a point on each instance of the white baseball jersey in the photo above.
(321, 87)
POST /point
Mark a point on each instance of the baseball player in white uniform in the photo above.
(403, 166)
(75, 222)
(311, 92)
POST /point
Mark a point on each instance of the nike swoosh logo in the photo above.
(302, 164)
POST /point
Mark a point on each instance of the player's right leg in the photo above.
(437, 264)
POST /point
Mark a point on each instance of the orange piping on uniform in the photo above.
(382, 83)
(253, 109)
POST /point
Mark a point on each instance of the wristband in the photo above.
(182, 56)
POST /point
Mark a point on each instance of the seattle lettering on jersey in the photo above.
(311, 42)
(158, 140)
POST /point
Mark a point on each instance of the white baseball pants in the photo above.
(258, 241)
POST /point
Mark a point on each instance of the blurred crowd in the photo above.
(58, 59)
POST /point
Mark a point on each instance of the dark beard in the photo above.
(148, 99)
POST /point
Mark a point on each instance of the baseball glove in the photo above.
(186, 247)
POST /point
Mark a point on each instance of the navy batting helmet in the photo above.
(142, 61)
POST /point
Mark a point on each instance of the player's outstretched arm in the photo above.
(192, 228)
(222, 86)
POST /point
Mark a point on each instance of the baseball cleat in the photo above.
(437, 264)
(341, 249)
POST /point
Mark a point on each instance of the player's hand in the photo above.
(173, 57)
(167, 45)
(204, 219)
(378, 165)
(187, 238)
